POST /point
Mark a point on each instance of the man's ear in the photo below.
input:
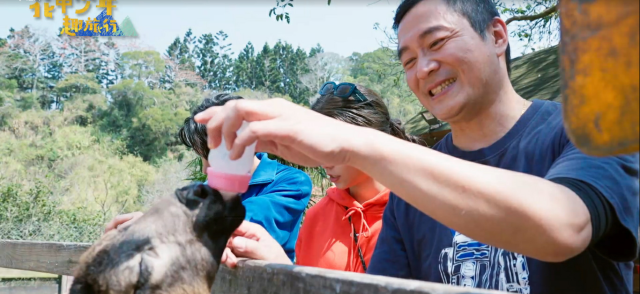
(499, 34)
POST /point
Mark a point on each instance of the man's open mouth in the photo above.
(443, 86)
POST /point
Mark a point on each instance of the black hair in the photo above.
(479, 14)
(194, 135)
(372, 113)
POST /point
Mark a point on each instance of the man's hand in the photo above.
(253, 241)
(122, 221)
(282, 128)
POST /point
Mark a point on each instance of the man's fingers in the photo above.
(214, 129)
(204, 116)
(267, 130)
(244, 247)
(232, 122)
(122, 219)
(250, 230)
(228, 258)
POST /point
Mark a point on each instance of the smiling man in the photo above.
(571, 230)
(504, 202)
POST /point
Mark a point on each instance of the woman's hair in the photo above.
(371, 114)
(194, 135)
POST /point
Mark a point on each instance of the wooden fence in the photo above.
(249, 277)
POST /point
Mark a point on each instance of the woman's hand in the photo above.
(122, 220)
(253, 241)
(282, 128)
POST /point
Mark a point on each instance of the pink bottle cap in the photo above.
(228, 182)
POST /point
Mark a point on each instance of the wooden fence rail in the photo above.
(249, 277)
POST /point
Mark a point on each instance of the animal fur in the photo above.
(175, 247)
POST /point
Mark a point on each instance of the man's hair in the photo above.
(479, 14)
(194, 135)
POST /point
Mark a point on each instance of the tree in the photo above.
(143, 66)
(324, 67)
(265, 68)
(538, 22)
(153, 132)
(214, 63)
(176, 75)
(245, 68)
(315, 50)
(380, 71)
(80, 55)
(109, 64)
(33, 52)
(76, 85)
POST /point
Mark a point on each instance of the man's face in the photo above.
(448, 66)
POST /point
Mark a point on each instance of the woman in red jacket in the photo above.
(341, 230)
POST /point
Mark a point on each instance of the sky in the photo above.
(344, 27)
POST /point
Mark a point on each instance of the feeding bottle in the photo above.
(228, 176)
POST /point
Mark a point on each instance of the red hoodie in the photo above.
(326, 238)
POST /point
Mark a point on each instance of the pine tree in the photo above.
(244, 68)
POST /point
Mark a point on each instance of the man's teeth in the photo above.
(442, 87)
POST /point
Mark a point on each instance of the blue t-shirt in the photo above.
(276, 199)
(413, 245)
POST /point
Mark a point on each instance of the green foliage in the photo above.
(33, 214)
(91, 171)
(540, 27)
(143, 66)
(195, 170)
(153, 132)
(381, 71)
(75, 84)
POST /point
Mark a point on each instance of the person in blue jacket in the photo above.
(277, 195)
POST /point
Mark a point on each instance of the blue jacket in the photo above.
(276, 199)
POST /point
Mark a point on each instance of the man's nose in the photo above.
(426, 66)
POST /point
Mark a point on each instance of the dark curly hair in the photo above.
(193, 134)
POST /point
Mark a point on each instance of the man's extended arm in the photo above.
(514, 211)
(517, 212)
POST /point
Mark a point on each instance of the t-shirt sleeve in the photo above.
(390, 256)
(615, 178)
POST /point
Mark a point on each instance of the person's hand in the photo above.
(253, 241)
(282, 128)
(122, 220)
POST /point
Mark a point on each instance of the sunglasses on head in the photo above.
(342, 90)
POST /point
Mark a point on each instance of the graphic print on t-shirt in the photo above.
(469, 263)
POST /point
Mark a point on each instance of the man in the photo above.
(277, 195)
(504, 202)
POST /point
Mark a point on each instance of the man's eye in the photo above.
(408, 62)
(436, 43)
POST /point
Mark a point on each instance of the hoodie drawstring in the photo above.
(356, 240)
(363, 223)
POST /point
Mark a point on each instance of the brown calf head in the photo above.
(175, 247)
